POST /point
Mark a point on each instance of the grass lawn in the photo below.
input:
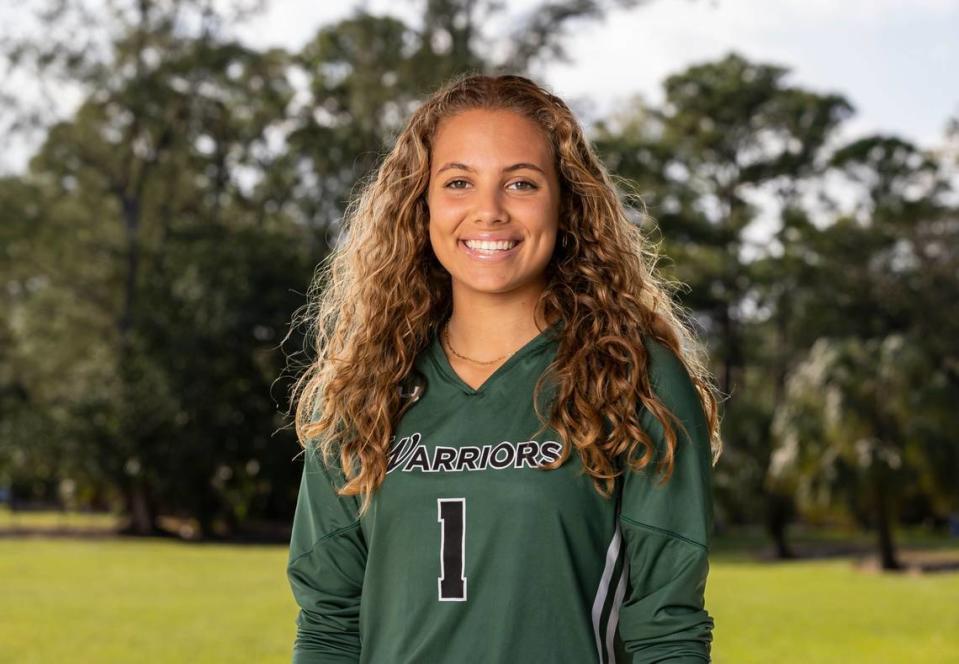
(72, 600)
(112, 600)
(826, 612)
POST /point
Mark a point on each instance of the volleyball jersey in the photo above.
(468, 554)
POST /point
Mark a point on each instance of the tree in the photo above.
(164, 227)
(731, 129)
(885, 367)
(152, 155)
(863, 423)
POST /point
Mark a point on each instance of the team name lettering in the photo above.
(409, 454)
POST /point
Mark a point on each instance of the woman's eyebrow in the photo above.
(507, 169)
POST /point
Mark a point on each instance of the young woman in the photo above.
(510, 430)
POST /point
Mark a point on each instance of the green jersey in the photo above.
(468, 553)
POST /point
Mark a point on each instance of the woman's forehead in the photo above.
(490, 139)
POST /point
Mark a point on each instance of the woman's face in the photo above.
(492, 179)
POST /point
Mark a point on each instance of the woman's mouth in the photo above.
(489, 252)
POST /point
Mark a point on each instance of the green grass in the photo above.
(110, 600)
(828, 612)
(68, 600)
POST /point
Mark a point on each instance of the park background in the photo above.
(174, 170)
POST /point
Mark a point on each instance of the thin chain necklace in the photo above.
(446, 333)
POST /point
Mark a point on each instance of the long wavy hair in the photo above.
(378, 297)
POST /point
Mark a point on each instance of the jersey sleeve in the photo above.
(325, 569)
(666, 530)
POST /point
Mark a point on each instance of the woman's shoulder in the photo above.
(683, 505)
(666, 370)
(674, 387)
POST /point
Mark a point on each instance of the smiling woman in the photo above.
(493, 225)
(499, 367)
(493, 220)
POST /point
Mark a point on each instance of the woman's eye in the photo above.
(530, 186)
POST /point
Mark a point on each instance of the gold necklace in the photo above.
(446, 333)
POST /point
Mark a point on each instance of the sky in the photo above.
(892, 59)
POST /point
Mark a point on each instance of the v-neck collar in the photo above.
(442, 363)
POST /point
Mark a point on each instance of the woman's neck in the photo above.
(487, 326)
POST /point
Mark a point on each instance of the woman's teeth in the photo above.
(483, 245)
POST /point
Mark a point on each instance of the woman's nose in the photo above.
(489, 205)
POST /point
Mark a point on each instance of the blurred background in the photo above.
(172, 171)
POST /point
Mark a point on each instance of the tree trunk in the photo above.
(887, 548)
(140, 510)
(777, 519)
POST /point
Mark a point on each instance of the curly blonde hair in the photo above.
(377, 299)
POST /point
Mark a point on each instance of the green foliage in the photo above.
(164, 234)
